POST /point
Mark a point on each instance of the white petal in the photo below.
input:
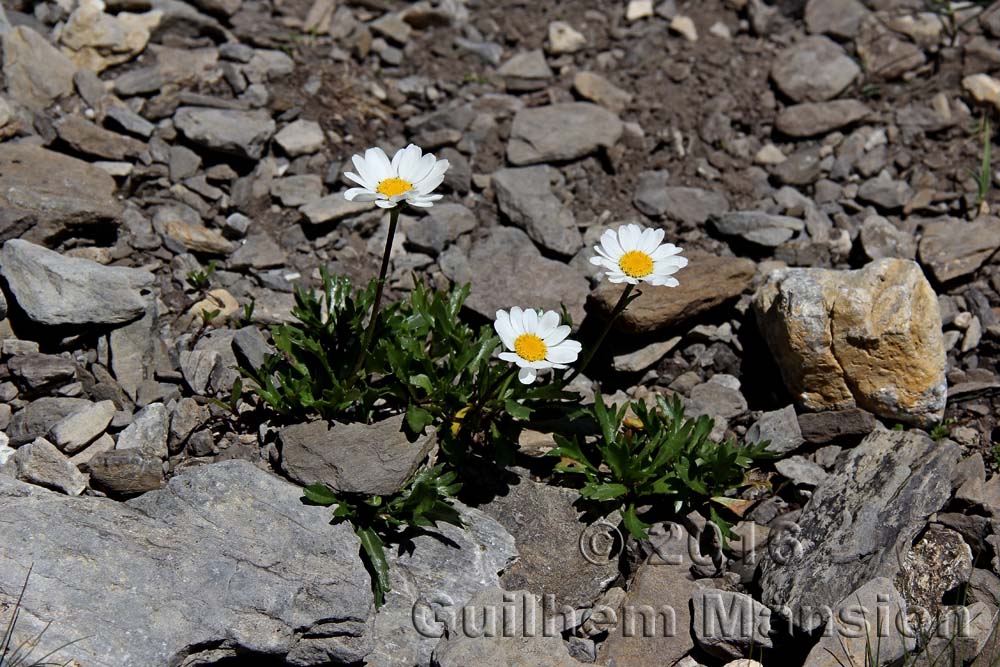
(563, 354)
(527, 375)
(609, 240)
(665, 250)
(629, 236)
(420, 203)
(360, 194)
(512, 357)
(548, 323)
(424, 168)
(385, 203)
(531, 321)
(517, 320)
(652, 242)
(557, 335)
(381, 168)
(504, 329)
(365, 171)
(427, 185)
(664, 281)
(409, 158)
(541, 364)
(360, 181)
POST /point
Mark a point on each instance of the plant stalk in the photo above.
(379, 288)
(623, 301)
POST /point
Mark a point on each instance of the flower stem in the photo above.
(379, 288)
(623, 301)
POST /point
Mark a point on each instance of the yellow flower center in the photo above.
(636, 264)
(390, 187)
(530, 347)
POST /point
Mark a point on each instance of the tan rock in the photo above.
(983, 88)
(868, 338)
(706, 282)
(564, 38)
(596, 88)
(196, 238)
(37, 73)
(95, 40)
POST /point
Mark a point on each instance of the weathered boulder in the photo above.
(376, 459)
(868, 338)
(858, 524)
(37, 73)
(561, 132)
(241, 133)
(226, 560)
(706, 282)
(551, 561)
(526, 198)
(515, 637)
(54, 289)
(45, 192)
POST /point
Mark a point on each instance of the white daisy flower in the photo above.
(536, 341)
(409, 178)
(634, 254)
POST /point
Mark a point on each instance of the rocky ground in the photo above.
(821, 163)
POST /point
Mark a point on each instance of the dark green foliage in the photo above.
(657, 458)
(377, 520)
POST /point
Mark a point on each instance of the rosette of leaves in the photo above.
(657, 458)
(312, 371)
(426, 500)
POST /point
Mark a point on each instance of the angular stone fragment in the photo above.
(54, 289)
(527, 200)
(816, 118)
(375, 459)
(40, 463)
(73, 433)
(869, 338)
(561, 132)
(953, 248)
(813, 70)
(37, 73)
(706, 282)
(242, 133)
(858, 524)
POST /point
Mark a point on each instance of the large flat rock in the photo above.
(859, 523)
(225, 559)
(560, 132)
(54, 289)
(48, 191)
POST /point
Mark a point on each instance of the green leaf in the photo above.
(604, 491)
(517, 410)
(422, 381)
(418, 418)
(633, 524)
(319, 494)
(373, 555)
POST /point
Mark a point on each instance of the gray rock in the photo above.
(148, 431)
(223, 548)
(716, 399)
(860, 523)
(823, 428)
(885, 193)
(41, 370)
(803, 167)
(32, 197)
(133, 348)
(693, 206)
(560, 132)
(375, 459)
(297, 190)
(36, 73)
(880, 238)
(813, 70)
(332, 208)
(53, 289)
(74, 432)
(717, 613)
(801, 471)
(516, 639)
(242, 133)
(840, 18)
(949, 255)
(780, 428)
(595, 88)
(443, 224)
(184, 163)
(550, 560)
(526, 71)
(301, 137)
(130, 121)
(644, 357)
(40, 463)
(527, 200)
(884, 54)
(35, 420)
(878, 608)
(757, 227)
(505, 268)
(126, 472)
(436, 578)
(91, 139)
(186, 416)
(816, 118)
(259, 251)
(197, 367)
(663, 584)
